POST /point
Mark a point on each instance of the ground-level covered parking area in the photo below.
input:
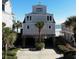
(30, 42)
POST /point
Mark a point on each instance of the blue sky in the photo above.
(60, 8)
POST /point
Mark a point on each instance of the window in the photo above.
(27, 26)
(49, 27)
(30, 17)
(27, 17)
(48, 18)
(3, 7)
(39, 9)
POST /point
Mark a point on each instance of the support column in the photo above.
(36, 39)
(54, 42)
(23, 42)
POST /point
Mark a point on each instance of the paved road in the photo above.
(43, 54)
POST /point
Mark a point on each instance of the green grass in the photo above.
(11, 53)
(10, 57)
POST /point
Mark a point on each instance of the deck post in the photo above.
(23, 42)
(54, 42)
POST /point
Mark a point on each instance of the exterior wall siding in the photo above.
(7, 19)
(33, 30)
(38, 17)
(7, 16)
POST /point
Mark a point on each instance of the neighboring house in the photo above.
(7, 15)
(68, 34)
(58, 30)
(39, 13)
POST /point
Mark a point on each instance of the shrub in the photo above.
(14, 49)
(63, 48)
(39, 45)
(12, 52)
(59, 40)
(70, 55)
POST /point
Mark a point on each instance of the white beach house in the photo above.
(7, 15)
(29, 30)
(68, 34)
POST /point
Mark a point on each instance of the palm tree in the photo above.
(6, 32)
(8, 39)
(71, 22)
(39, 25)
(12, 39)
(16, 25)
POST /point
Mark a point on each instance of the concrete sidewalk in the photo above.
(43, 54)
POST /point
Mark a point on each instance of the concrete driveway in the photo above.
(43, 54)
